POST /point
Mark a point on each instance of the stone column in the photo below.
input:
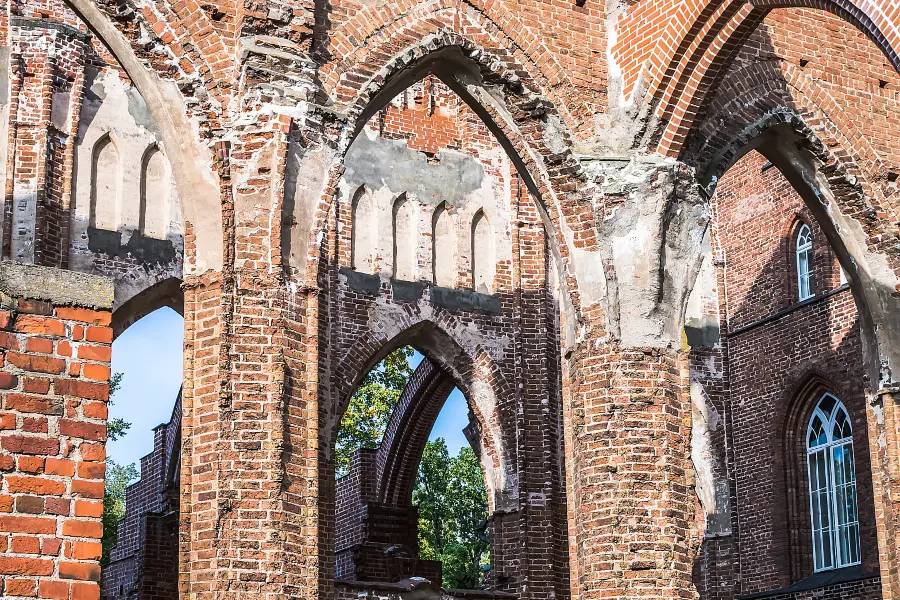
(54, 376)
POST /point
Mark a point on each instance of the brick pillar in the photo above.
(46, 88)
(884, 445)
(55, 385)
(629, 442)
(248, 520)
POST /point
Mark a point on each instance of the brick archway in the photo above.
(522, 121)
(777, 111)
(164, 293)
(694, 28)
(835, 190)
(472, 374)
(496, 22)
(198, 191)
(701, 49)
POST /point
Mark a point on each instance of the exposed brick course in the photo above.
(49, 543)
(548, 163)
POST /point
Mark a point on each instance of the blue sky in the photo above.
(150, 353)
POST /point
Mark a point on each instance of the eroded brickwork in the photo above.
(520, 191)
(55, 378)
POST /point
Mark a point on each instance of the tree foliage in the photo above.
(452, 501)
(370, 407)
(430, 496)
(118, 427)
(117, 479)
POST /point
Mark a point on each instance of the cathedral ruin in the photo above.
(654, 243)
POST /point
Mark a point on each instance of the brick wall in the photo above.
(781, 356)
(55, 380)
(498, 348)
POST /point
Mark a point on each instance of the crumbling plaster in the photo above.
(191, 161)
(115, 110)
(651, 219)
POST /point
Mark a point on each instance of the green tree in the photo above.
(430, 496)
(117, 479)
(467, 552)
(370, 407)
(452, 502)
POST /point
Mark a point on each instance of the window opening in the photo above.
(804, 263)
(832, 486)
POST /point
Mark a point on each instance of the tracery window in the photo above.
(804, 263)
(832, 486)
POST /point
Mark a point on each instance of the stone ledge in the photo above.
(57, 286)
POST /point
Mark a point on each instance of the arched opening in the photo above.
(411, 494)
(143, 461)
(770, 307)
(426, 149)
(105, 182)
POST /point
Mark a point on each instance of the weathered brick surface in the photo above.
(231, 140)
(52, 452)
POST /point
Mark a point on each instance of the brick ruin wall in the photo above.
(757, 371)
(436, 238)
(454, 245)
(90, 188)
(55, 380)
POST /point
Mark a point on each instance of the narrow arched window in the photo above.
(482, 254)
(105, 185)
(804, 263)
(443, 249)
(361, 234)
(832, 486)
(154, 191)
(404, 239)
